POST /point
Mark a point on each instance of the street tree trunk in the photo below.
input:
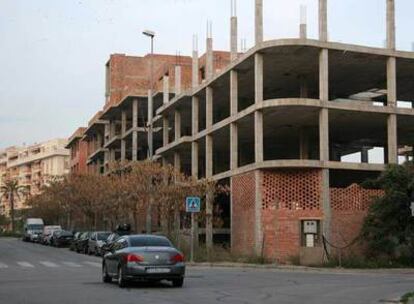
(11, 196)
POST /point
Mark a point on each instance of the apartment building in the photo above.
(33, 166)
(292, 126)
(78, 148)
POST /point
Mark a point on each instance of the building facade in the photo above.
(32, 166)
(78, 148)
(292, 126)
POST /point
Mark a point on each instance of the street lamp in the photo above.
(150, 34)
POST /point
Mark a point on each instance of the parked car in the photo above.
(33, 228)
(144, 258)
(96, 241)
(47, 233)
(75, 239)
(61, 238)
(82, 243)
(120, 231)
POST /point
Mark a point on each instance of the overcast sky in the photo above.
(52, 53)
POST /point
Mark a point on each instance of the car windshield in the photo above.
(145, 241)
(35, 227)
(66, 233)
(102, 236)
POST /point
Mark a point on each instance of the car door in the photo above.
(91, 242)
(111, 258)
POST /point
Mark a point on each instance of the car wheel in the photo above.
(121, 279)
(105, 276)
(178, 282)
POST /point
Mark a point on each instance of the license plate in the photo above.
(158, 270)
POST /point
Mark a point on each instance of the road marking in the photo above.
(2, 265)
(93, 264)
(25, 264)
(48, 264)
(72, 264)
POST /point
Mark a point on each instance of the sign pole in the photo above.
(192, 238)
(192, 205)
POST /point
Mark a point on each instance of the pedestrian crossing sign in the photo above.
(192, 204)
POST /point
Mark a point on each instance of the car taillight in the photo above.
(133, 258)
(177, 258)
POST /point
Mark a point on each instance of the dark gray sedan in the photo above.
(143, 258)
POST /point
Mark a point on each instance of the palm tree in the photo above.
(10, 189)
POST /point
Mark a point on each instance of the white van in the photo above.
(47, 233)
(33, 228)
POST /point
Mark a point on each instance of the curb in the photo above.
(302, 268)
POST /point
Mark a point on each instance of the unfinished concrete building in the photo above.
(293, 126)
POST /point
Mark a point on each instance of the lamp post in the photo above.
(150, 34)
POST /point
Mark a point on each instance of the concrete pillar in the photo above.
(324, 135)
(166, 89)
(258, 21)
(194, 159)
(177, 125)
(135, 131)
(209, 107)
(210, 195)
(178, 80)
(209, 59)
(165, 130)
(390, 24)
(194, 112)
(258, 115)
(391, 82)
(323, 75)
(364, 154)
(209, 156)
(194, 145)
(392, 139)
(258, 77)
(233, 126)
(234, 159)
(323, 20)
(233, 38)
(303, 23)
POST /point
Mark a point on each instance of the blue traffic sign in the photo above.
(192, 204)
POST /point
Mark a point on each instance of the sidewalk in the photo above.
(302, 268)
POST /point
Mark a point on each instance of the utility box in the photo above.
(310, 227)
(310, 233)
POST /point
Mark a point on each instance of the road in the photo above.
(31, 273)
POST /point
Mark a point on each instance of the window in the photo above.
(146, 241)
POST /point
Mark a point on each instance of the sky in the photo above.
(53, 53)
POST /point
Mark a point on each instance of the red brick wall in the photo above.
(288, 197)
(243, 215)
(349, 208)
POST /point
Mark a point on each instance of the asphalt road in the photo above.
(31, 273)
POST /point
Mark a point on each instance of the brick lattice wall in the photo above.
(288, 197)
(349, 208)
(243, 215)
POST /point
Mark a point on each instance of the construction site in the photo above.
(292, 126)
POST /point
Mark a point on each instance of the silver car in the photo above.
(143, 258)
(96, 241)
